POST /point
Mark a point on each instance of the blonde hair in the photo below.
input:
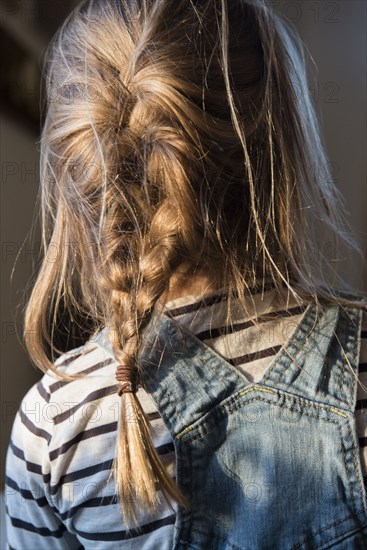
(176, 133)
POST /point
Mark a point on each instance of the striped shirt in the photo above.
(59, 488)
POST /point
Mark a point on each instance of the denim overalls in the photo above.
(267, 465)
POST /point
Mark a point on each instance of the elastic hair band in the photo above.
(126, 376)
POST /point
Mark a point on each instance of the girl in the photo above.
(214, 402)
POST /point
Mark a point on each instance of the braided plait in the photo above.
(130, 313)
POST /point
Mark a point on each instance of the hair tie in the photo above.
(127, 376)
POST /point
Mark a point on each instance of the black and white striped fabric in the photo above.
(59, 492)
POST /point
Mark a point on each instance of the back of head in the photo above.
(139, 128)
(177, 133)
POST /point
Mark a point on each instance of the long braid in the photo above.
(137, 467)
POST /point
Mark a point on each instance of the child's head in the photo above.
(177, 132)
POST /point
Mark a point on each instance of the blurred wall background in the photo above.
(335, 34)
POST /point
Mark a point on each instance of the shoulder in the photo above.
(93, 365)
(50, 411)
(32, 491)
(34, 421)
(78, 409)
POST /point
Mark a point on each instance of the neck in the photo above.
(185, 282)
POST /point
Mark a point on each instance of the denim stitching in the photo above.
(301, 400)
(205, 432)
(186, 525)
(299, 544)
(342, 362)
(295, 347)
(356, 460)
(351, 340)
